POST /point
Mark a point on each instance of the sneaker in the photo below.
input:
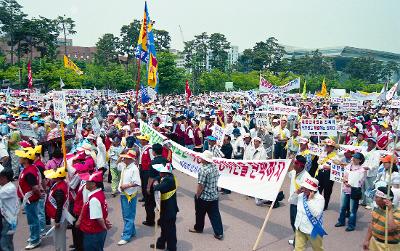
(291, 242)
(157, 247)
(192, 230)
(349, 229)
(148, 223)
(339, 225)
(31, 246)
(122, 242)
(368, 207)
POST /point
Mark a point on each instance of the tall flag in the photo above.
(304, 94)
(71, 65)
(187, 91)
(144, 94)
(61, 83)
(141, 51)
(392, 91)
(152, 74)
(30, 82)
(323, 93)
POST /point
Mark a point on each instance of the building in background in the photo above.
(179, 58)
(62, 41)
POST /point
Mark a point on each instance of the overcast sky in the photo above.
(371, 24)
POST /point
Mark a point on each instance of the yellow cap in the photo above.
(28, 153)
(59, 173)
(144, 137)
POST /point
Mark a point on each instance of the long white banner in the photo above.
(260, 179)
(265, 86)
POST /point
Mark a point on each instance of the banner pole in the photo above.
(137, 85)
(264, 224)
(388, 192)
(63, 145)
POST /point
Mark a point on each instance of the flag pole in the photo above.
(137, 85)
(63, 145)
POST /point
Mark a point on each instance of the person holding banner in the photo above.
(297, 176)
(168, 208)
(353, 179)
(328, 156)
(309, 217)
(57, 205)
(375, 238)
(206, 197)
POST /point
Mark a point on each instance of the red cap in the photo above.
(25, 144)
(95, 177)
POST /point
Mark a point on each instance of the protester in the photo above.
(57, 206)
(309, 217)
(114, 153)
(128, 187)
(168, 207)
(297, 177)
(351, 192)
(206, 197)
(93, 221)
(9, 207)
(375, 238)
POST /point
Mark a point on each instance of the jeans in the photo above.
(345, 202)
(128, 215)
(94, 242)
(211, 208)
(32, 215)
(42, 216)
(6, 240)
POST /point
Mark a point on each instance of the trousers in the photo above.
(168, 234)
(325, 185)
(94, 242)
(302, 239)
(60, 238)
(211, 208)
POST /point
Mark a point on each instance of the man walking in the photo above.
(128, 186)
(206, 198)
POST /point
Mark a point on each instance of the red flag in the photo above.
(30, 83)
(188, 91)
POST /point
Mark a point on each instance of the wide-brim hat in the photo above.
(129, 155)
(207, 156)
(27, 153)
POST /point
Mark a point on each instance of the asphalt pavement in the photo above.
(241, 218)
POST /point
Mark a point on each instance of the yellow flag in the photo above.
(304, 94)
(71, 65)
(323, 92)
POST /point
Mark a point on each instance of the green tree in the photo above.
(171, 78)
(162, 40)
(107, 49)
(213, 80)
(268, 55)
(67, 27)
(128, 39)
(363, 68)
(218, 46)
(245, 61)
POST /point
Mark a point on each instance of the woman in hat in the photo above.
(351, 192)
(388, 162)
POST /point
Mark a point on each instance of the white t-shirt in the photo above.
(95, 210)
(130, 175)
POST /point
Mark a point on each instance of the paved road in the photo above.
(242, 220)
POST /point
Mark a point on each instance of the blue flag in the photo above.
(144, 94)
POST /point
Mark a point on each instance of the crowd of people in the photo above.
(104, 143)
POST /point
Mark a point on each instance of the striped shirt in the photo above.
(378, 225)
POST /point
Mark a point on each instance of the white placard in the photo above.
(60, 108)
(281, 109)
(337, 173)
(350, 105)
(318, 127)
(26, 129)
(218, 133)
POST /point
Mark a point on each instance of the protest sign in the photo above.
(265, 86)
(36, 96)
(337, 173)
(26, 129)
(281, 109)
(394, 103)
(260, 179)
(60, 108)
(262, 118)
(350, 105)
(318, 127)
(218, 133)
(361, 96)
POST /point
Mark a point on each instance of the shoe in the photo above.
(31, 246)
(339, 225)
(349, 229)
(122, 242)
(368, 207)
(218, 237)
(152, 246)
(148, 224)
(291, 242)
(192, 230)
(276, 205)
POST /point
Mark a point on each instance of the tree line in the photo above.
(207, 66)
